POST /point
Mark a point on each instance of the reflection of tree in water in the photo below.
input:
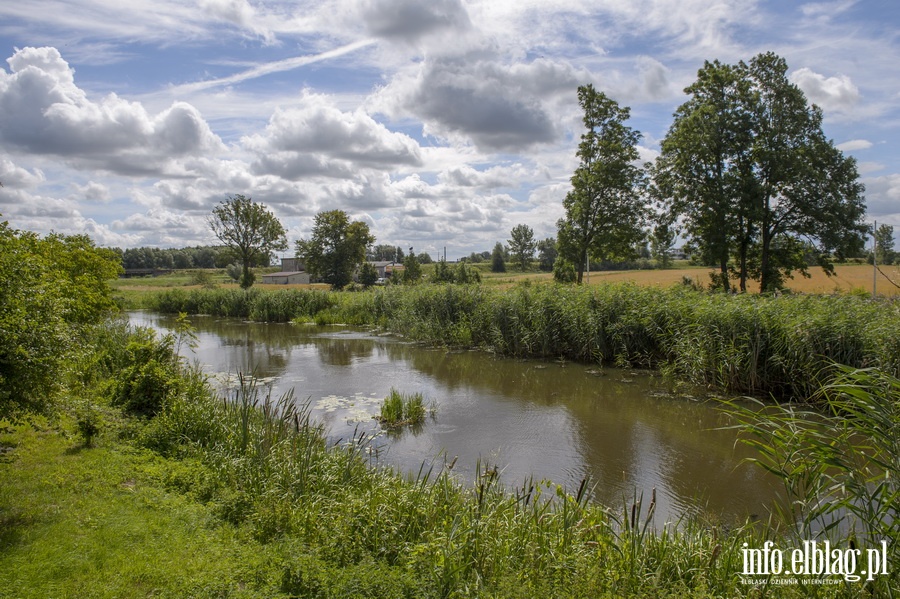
(343, 352)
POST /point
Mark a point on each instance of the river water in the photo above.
(628, 432)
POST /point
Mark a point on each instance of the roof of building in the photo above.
(285, 274)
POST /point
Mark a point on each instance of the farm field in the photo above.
(847, 278)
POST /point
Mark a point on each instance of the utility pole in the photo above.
(875, 260)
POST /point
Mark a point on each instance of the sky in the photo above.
(440, 123)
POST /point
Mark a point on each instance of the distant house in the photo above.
(292, 273)
(382, 266)
(286, 278)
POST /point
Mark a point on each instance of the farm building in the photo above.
(286, 278)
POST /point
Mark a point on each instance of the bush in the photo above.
(51, 289)
(89, 423)
(150, 377)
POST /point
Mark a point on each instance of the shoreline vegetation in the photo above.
(782, 347)
(137, 463)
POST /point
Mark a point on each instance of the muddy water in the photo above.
(627, 432)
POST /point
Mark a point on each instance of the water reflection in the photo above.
(625, 431)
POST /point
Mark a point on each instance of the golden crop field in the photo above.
(847, 277)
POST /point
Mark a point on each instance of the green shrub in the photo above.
(88, 422)
(150, 376)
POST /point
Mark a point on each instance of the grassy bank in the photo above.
(190, 495)
(783, 346)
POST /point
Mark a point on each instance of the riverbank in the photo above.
(176, 492)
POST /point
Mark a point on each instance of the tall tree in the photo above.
(662, 240)
(547, 253)
(498, 264)
(336, 248)
(604, 211)
(522, 245)
(702, 169)
(749, 170)
(412, 270)
(884, 244)
(249, 230)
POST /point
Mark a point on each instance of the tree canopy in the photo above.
(604, 210)
(522, 245)
(746, 168)
(336, 248)
(249, 230)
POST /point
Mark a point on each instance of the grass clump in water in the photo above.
(401, 409)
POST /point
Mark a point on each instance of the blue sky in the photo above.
(439, 122)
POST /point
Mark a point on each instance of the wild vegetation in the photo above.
(783, 346)
(145, 483)
(401, 409)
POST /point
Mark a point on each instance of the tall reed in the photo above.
(744, 344)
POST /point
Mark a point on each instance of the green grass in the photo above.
(110, 521)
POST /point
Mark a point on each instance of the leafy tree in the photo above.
(424, 258)
(604, 210)
(746, 166)
(498, 264)
(522, 245)
(383, 253)
(466, 274)
(547, 253)
(368, 274)
(412, 270)
(662, 240)
(563, 270)
(249, 231)
(884, 244)
(442, 272)
(51, 290)
(336, 249)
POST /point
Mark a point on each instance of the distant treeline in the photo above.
(189, 257)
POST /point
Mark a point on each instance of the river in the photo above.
(628, 432)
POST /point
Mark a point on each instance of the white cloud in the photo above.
(883, 194)
(43, 112)
(478, 96)
(317, 139)
(837, 94)
(410, 20)
(854, 144)
(94, 192)
(13, 176)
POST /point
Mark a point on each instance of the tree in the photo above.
(746, 167)
(604, 210)
(547, 253)
(884, 244)
(51, 291)
(498, 264)
(368, 274)
(336, 248)
(662, 240)
(522, 245)
(383, 252)
(249, 231)
(412, 270)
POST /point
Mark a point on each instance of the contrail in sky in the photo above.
(272, 67)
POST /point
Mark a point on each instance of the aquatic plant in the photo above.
(401, 409)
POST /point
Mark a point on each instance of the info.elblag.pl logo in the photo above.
(816, 560)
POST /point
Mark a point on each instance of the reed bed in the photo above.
(779, 346)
